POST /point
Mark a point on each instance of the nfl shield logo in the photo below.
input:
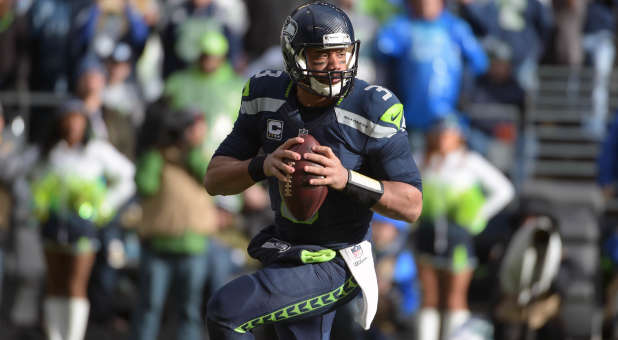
(357, 251)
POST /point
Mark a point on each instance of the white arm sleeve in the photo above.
(118, 170)
(498, 189)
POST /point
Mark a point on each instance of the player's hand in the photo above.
(275, 162)
(333, 172)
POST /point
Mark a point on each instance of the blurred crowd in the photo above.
(111, 109)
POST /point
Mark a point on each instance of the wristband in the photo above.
(365, 190)
(256, 168)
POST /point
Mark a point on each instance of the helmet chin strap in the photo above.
(325, 89)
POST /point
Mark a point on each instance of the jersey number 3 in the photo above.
(387, 93)
(268, 73)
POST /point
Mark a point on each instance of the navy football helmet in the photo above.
(320, 25)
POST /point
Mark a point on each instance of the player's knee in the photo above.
(227, 304)
(215, 307)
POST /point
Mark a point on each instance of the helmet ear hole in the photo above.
(301, 61)
(351, 54)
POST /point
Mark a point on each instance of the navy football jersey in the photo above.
(365, 129)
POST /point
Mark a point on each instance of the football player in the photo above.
(312, 267)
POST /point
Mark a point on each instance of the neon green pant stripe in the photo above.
(301, 308)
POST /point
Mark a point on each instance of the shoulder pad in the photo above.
(265, 91)
(378, 104)
(267, 83)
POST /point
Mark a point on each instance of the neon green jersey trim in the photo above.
(288, 89)
(394, 115)
(245, 90)
(323, 255)
(300, 308)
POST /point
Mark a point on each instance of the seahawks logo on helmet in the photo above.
(290, 27)
(288, 33)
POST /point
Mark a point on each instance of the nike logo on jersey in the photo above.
(394, 115)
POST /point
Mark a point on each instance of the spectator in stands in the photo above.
(50, 67)
(499, 85)
(425, 50)
(570, 19)
(80, 182)
(461, 192)
(123, 106)
(187, 23)
(568, 47)
(101, 26)
(147, 70)
(210, 85)
(495, 107)
(524, 26)
(91, 83)
(178, 218)
(49, 23)
(13, 44)
(514, 35)
(598, 44)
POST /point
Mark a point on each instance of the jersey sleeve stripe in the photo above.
(252, 107)
(363, 125)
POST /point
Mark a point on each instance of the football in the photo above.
(302, 199)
